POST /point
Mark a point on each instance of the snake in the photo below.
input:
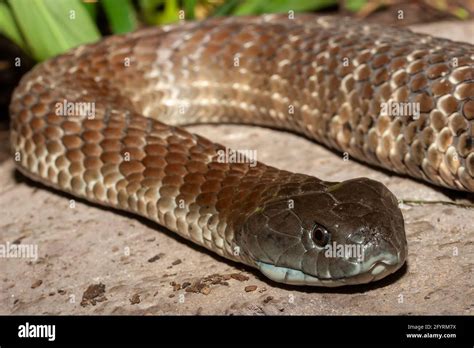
(105, 122)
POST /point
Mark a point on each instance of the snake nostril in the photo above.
(357, 238)
(362, 235)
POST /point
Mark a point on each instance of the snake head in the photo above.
(335, 234)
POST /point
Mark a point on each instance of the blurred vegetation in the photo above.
(44, 28)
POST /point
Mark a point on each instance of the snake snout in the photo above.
(382, 253)
(378, 230)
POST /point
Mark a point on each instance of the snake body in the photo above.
(323, 77)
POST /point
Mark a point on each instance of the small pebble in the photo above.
(205, 290)
(268, 299)
(94, 293)
(250, 288)
(135, 299)
(239, 276)
(36, 284)
(18, 240)
(154, 258)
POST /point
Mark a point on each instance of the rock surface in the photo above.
(97, 261)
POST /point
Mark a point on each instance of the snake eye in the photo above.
(320, 235)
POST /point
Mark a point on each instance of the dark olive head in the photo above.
(342, 233)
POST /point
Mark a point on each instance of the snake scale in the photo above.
(323, 77)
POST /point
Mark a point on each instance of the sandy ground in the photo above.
(97, 261)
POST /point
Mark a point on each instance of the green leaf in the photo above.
(189, 6)
(91, 8)
(249, 7)
(170, 14)
(355, 5)
(146, 9)
(226, 8)
(51, 27)
(461, 13)
(121, 15)
(149, 10)
(8, 26)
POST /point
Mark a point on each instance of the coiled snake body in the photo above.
(325, 77)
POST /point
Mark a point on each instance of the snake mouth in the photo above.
(377, 270)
